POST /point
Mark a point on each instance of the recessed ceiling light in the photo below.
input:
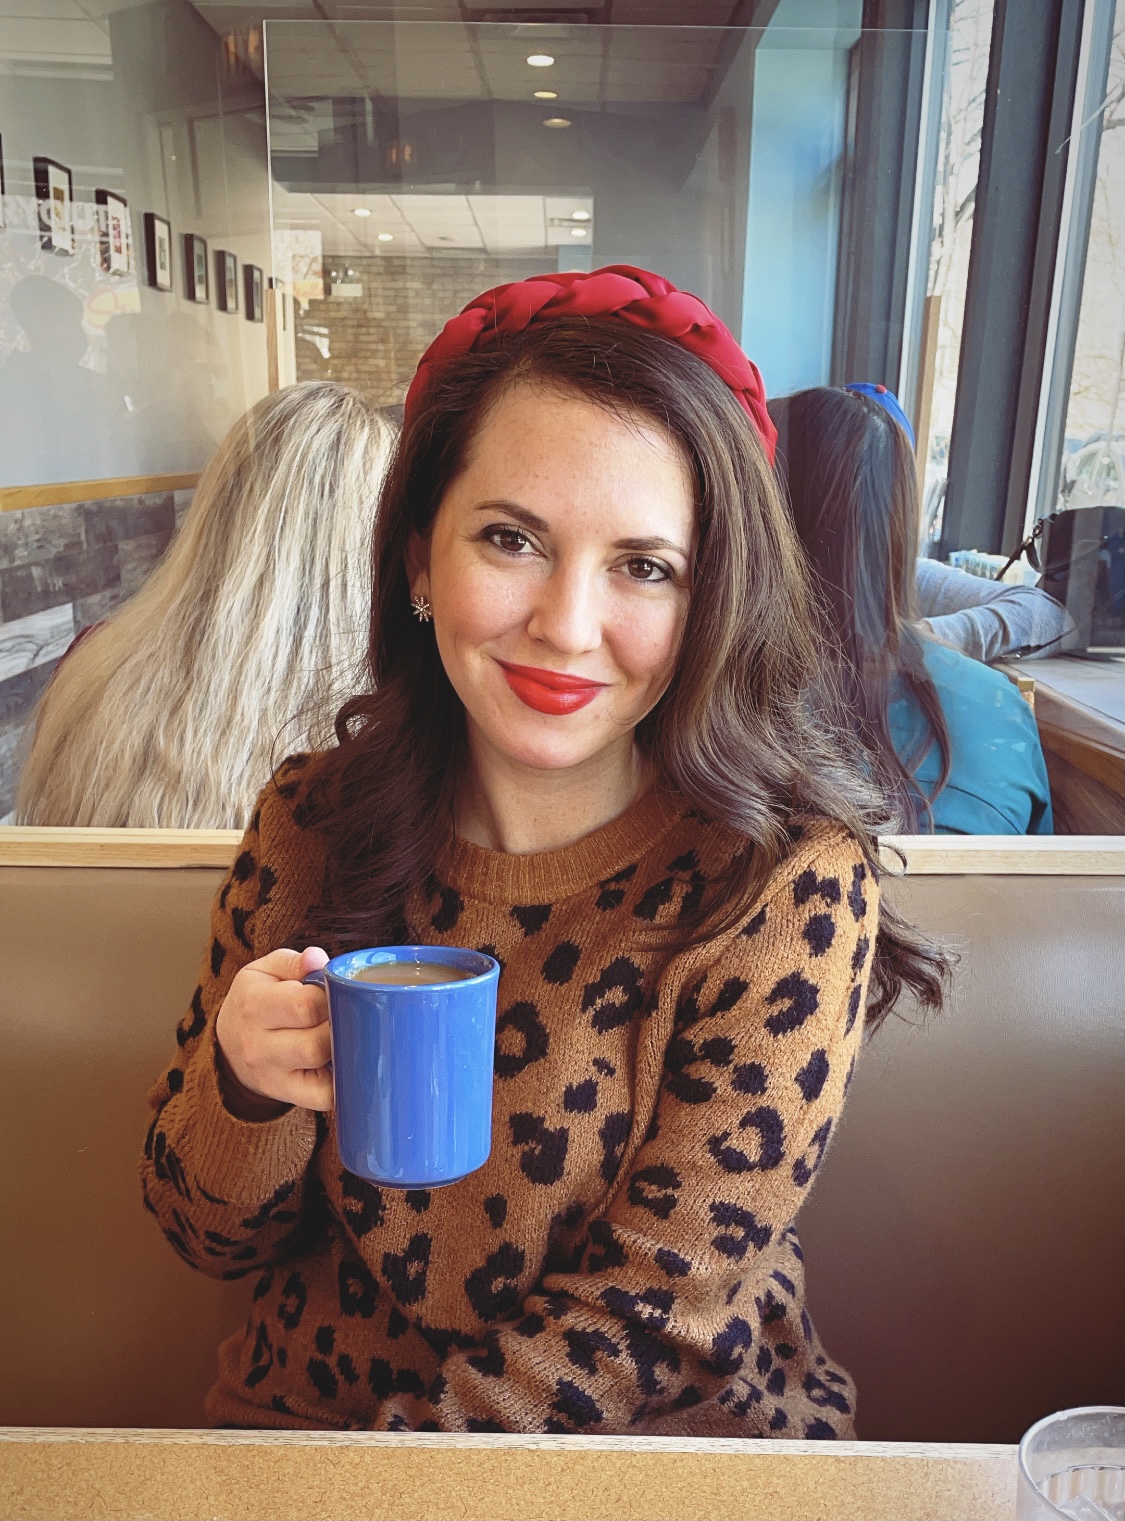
(580, 215)
(556, 121)
(540, 60)
(386, 237)
(361, 211)
(578, 232)
(546, 95)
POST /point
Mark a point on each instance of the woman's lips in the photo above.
(549, 691)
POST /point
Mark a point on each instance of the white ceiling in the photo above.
(426, 224)
(450, 61)
(60, 33)
(67, 38)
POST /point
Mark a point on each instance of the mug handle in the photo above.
(316, 980)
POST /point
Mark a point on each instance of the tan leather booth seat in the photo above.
(964, 1243)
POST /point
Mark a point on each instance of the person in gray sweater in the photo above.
(987, 620)
(983, 619)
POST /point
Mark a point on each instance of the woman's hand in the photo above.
(273, 1031)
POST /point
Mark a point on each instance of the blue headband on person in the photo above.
(888, 401)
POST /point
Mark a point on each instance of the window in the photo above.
(1091, 471)
(954, 196)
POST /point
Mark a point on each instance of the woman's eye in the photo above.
(512, 540)
(642, 569)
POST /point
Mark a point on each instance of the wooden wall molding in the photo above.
(169, 848)
(926, 855)
(1004, 855)
(20, 498)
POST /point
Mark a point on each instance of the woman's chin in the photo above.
(539, 754)
(545, 743)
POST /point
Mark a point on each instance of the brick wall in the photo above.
(61, 569)
(376, 340)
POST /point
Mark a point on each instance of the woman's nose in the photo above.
(568, 611)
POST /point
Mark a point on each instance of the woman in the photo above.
(169, 713)
(952, 743)
(981, 618)
(589, 745)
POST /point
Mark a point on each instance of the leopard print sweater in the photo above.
(626, 1260)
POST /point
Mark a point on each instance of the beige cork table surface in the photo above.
(57, 1474)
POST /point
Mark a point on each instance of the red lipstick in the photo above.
(549, 691)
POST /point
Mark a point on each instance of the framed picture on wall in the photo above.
(158, 251)
(253, 288)
(226, 281)
(54, 190)
(113, 229)
(278, 288)
(195, 268)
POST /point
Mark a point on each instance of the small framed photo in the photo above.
(279, 296)
(195, 268)
(253, 293)
(158, 251)
(54, 190)
(113, 228)
(226, 281)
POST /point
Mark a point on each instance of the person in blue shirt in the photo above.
(951, 741)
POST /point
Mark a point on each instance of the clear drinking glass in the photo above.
(1073, 1464)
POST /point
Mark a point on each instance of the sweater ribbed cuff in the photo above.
(242, 1161)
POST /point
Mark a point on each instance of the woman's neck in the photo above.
(504, 806)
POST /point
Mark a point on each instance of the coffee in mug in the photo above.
(410, 974)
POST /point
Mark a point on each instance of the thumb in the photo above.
(290, 966)
(312, 959)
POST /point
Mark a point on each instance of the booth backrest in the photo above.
(966, 1240)
(964, 1243)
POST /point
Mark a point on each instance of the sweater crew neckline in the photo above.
(548, 876)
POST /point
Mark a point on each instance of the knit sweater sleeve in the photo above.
(680, 1269)
(987, 620)
(227, 1192)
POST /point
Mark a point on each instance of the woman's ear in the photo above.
(417, 559)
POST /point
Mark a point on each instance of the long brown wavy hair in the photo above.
(849, 472)
(744, 731)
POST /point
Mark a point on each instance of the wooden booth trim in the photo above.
(1002, 855)
(925, 855)
(99, 1474)
(27, 845)
(20, 498)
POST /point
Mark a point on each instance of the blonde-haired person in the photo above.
(251, 628)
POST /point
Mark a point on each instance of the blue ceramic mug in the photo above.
(412, 1065)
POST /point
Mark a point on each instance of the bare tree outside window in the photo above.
(1093, 465)
(954, 202)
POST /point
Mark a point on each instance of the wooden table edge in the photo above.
(361, 1476)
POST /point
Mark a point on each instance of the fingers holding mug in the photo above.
(272, 1029)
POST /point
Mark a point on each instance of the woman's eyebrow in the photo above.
(521, 514)
(648, 546)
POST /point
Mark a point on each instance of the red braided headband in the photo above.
(629, 295)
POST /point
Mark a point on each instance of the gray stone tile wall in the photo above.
(62, 569)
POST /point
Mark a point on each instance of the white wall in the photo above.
(106, 376)
(796, 172)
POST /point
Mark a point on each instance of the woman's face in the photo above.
(559, 571)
